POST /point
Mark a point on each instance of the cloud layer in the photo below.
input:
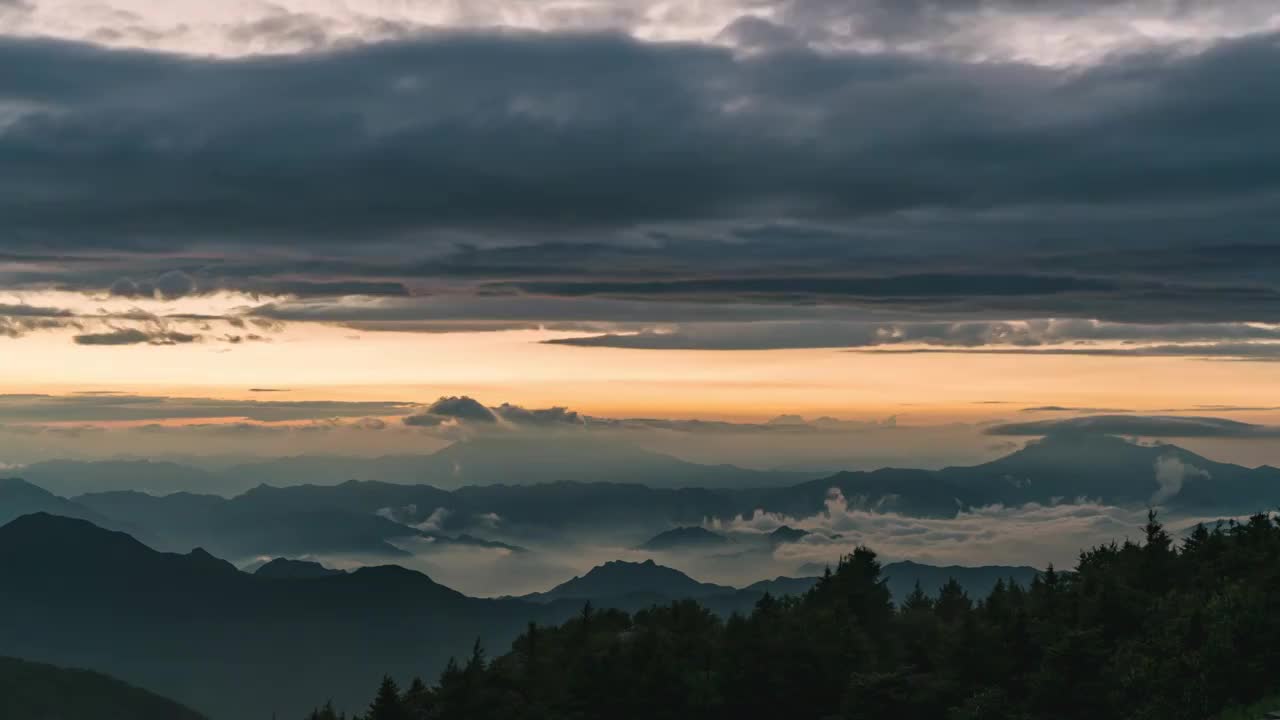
(800, 195)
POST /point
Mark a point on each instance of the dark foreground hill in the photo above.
(19, 497)
(194, 628)
(35, 691)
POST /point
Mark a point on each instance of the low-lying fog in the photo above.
(1034, 535)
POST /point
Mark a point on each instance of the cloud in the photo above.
(1141, 425)
(425, 420)
(449, 411)
(116, 407)
(829, 166)
(1244, 352)
(1171, 474)
(997, 336)
(1071, 31)
(1029, 534)
(178, 284)
(134, 336)
(461, 408)
(539, 416)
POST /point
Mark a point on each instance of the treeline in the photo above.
(1155, 629)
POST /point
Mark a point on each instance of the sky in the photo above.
(950, 226)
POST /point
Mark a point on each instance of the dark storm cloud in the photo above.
(177, 284)
(1020, 336)
(16, 320)
(135, 336)
(461, 408)
(589, 167)
(909, 286)
(1251, 352)
(558, 132)
(1142, 426)
(538, 416)
(948, 26)
(121, 407)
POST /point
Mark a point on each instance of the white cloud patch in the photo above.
(404, 516)
(1171, 474)
(1031, 534)
(1057, 33)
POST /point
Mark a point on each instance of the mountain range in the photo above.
(233, 644)
(485, 460)
(374, 518)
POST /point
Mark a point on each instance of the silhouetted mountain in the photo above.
(546, 506)
(911, 492)
(75, 477)
(193, 627)
(373, 518)
(683, 538)
(619, 579)
(286, 569)
(519, 459)
(1059, 467)
(19, 497)
(787, 534)
(35, 691)
(334, 469)
(516, 459)
(1069, 465)
(244, 527)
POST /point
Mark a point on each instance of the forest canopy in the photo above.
(1150, 629)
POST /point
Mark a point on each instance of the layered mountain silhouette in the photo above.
(281, 521)
(372, 518)
(19, 497)
(36, 691)
(1069, 465)
(161, 477)
(487, 460)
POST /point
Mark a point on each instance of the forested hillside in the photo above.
(1138, 631)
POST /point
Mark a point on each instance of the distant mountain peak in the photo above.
(787, 534)
(286, 569)
(683, 538)
(618, 578)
